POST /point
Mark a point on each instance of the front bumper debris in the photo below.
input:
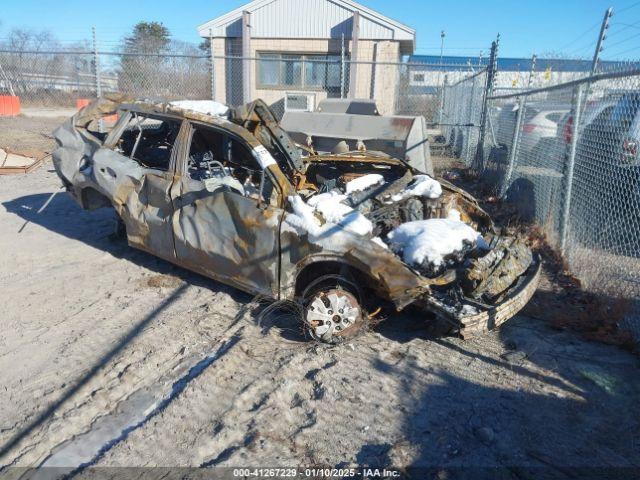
(484, 318)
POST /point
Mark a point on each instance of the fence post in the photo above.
(603, 30)
(353, 65)
(443, 98)
(212, 67)
(343, 69)
(515, 144)
(469, 129)
(246, 54)
(568, 176)
(97, 77)
(491, 71)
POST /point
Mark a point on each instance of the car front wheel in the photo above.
(333, 314)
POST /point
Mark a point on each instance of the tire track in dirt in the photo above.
(159, 347)
(132, 413)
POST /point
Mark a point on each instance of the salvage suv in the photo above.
(226, 193)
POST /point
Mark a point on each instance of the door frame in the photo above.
(169, 175)
(246, 139)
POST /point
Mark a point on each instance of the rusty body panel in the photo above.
(224, 236)
(225, 208)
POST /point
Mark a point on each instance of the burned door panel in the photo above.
(141, 197)
(228, 237)
(225, 223)
(141, 167)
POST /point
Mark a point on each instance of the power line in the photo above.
(581, 36)
(629, 7)
(591, 45)
(625, 26)
(609, 54)
(623, 41)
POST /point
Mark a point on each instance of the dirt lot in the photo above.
(111, 357)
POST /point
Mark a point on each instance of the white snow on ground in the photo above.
(431, 240)
(362, 183)
(332, 210)
(421, 186)
(207, 107)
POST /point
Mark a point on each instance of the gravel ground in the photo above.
(28, 136)
(111, 357)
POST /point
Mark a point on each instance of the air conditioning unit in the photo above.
(299, 102)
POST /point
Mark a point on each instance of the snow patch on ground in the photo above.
(431, 240)
(330, 206)
(206, 107)
(362, 183)
(421, 186)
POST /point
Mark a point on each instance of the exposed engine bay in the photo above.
(398, 204)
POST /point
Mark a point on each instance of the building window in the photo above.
(418, 77)
(308, 72)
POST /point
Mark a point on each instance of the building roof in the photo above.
(320, 19)
(506, 64)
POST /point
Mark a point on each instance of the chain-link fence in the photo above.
(285, 81)
(567, 158)
(60, 78)
(462, 115)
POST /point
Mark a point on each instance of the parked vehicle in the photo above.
(227, 194)
(538, 133)
(607, 173)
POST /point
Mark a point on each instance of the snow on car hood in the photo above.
(206, 107)
(421, 186)
(331, 207)
(335, 213)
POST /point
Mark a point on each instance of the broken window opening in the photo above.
(220, 161)
(149, 140)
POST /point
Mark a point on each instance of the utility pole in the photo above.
(532, 72)
(603, 34)
(353, 66)
(96, 64)
(246, 54)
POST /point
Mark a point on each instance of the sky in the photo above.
(544, 27)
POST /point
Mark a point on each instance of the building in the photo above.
(427, 72)
(320, 48)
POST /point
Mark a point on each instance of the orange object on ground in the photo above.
(9, 106)
(82, 102)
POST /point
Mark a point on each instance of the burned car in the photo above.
(226, 193)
